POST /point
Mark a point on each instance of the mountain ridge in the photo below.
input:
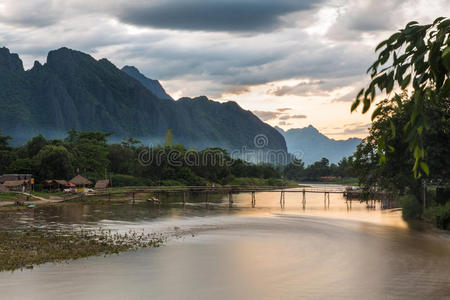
(311, 145)
(151, 84)
(72, 90)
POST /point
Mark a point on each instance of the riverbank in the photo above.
(30, 247)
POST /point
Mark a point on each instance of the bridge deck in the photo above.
(230, 189)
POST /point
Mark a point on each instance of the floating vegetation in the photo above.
(31, 246)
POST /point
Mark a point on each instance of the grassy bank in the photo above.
(29, 247)
(11, 197)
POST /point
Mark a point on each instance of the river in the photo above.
(339, 251)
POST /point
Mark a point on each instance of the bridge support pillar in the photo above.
(282, 199)
(304, 199)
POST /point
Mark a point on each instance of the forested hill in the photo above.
(74, 90)
(313, 145)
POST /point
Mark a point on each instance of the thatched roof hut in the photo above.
(102, 184)
(80, 181)
(61, 182)
(3, 189)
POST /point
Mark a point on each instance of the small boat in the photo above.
(31, 205)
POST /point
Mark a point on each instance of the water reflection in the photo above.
(202, 205)
(256, 246)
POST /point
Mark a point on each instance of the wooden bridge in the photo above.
(158, 191)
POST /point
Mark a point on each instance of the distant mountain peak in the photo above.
(10, 61)
(151, 84)
(311, 145)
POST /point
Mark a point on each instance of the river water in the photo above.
(340, 251)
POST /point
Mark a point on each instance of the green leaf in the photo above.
(393, 131)
(420, 130)
(425, 168)
(438, 20)
(393, 37)
(389, 85)
(366, 105)
(446, 58)
(444, 24)
(376, 112)
(381, 45)
(406, 81)
(355, 105)
(411, 23)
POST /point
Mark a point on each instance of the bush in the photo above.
(440, 216)
(411, 207)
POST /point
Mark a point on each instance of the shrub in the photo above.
(440, 216)
(411, 208)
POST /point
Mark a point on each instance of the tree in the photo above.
(35, 145)
(55, 162)
(294, 170)
(6, 154)
(395, 173)
(417, 56)
(90, 151)
(169, 138)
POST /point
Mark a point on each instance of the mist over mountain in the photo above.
(311, 145)
(74, 90)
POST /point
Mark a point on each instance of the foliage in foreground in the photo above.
(415, 59)
(25, 248)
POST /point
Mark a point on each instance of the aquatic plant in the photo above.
(33, 246)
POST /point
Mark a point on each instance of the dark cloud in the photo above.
(266, 115)
(301, 89)
(220, 15)
(353, 128)
(36, 13)
(271, 115)
(284, 123)
(368, 16)
(287, 117)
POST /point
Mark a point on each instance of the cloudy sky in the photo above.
(292, 62)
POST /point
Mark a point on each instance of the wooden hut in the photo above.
(16, 185)
(102, 184)
(55, 184)
(14, 177)
(80, 181)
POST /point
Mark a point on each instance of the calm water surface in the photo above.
(340, 251)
